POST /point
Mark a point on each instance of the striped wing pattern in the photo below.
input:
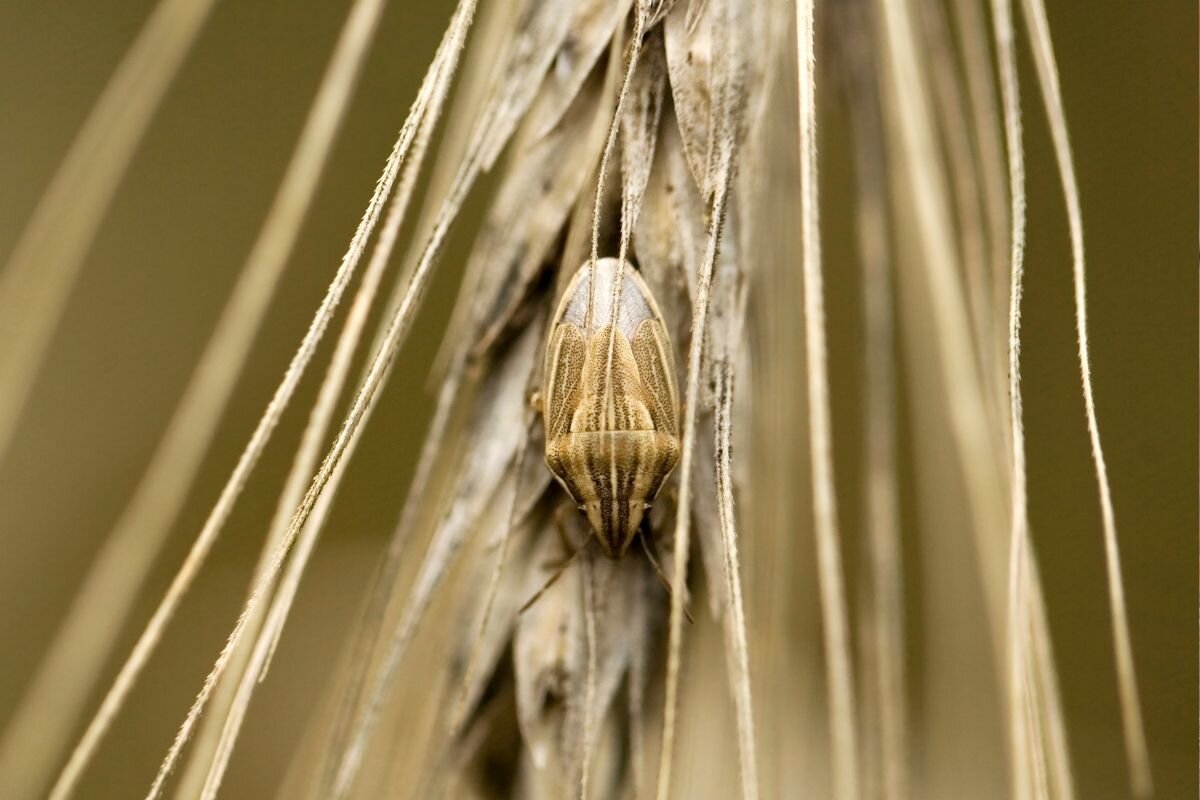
(610, 403)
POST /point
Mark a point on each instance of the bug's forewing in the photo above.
(563, 378)
(656, 368)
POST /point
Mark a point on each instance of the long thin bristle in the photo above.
(1023, 751)
(727, 119)
(366, 394)
(162, 492)
(735, 625)
(226, 718)
(838, 667)
(1137, 752)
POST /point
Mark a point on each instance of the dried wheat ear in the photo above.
(624, 156)
(516, 641)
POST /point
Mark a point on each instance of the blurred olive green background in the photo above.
(189, 209)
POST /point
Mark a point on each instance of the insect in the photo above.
(610, 401)
(610, 405)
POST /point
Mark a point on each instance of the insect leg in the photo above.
(662, 577)
(557, 574)
(569, 547)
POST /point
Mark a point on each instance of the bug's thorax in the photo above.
(610, 401)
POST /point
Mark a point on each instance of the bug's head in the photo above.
(615, 522)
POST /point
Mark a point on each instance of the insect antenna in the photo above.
(662, 576)
(557, 573)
